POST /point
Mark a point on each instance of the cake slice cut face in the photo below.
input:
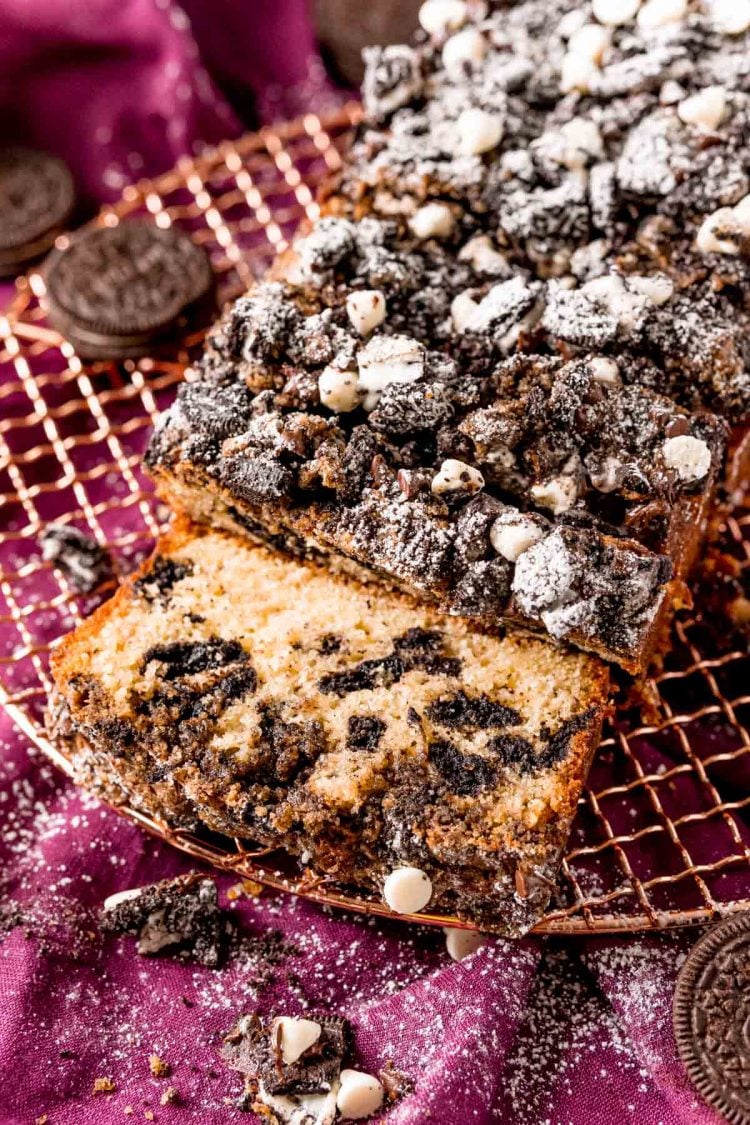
(393, 749)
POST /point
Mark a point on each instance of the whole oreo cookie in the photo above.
(711, 1015)
(114, 292)
(36, 199)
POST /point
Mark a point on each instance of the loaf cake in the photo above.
(582, 140)
(534, 491)
(485, 375)
(388, 747)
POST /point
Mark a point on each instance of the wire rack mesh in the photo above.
(662, 836)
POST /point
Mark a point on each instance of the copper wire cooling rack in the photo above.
(662, 837)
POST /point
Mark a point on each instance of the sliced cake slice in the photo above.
(388, 747)
(502, 487)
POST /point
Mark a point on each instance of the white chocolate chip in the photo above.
(456, 476)
(462, 943)
(576, 73)
(477, 131)
(671, 92)
(388, 359)
(590, 41)
(295, 1036)
(723, 221)
(607, 476)
(366, 310)
(339, 390)
(120, 896)
(615, 13)
(463, 308)
(483, 256)
(730, 16)
(604, 370)
(302, 1109)
(570, 22)
(407, 890)
(689, 456)
(433, 220)
(661, 13)
(580, 140)
(558, 494)
(360, 1095)
(439, 16)
(657, 288)
(620, 301)
(513, 533)
(705, 108)
(467, 46)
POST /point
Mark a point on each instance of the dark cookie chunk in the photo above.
(187, 658)
(115, 291)
(514, 752)
(329, 643)
(464, 774)
(461, 710)
(82, 560)
(36, 199)
(252, 1047)
(163, 574)
(557, 743)
(178, 916)
(417, 648)
(365, 732)
(195, 681)
(711, 1015)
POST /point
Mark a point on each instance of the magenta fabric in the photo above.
(121, 88)
(521, 1033)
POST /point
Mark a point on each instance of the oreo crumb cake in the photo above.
(517, 488)
(388, 747)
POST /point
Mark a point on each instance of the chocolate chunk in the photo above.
(82, 560)
(187, 658)
(256, 479)
(461, 710)
(558, 743)
(365, 732)
(329, 643)
(287, 747)
(36, 199)
(711, 1010)
(484, 588)
(408, 408)
(465, 774)
(195, 681)
(514, 752)
(115, 291)
(163, 574)
(178, 916)
(251, 1048)
(365, 676)
(417, 648)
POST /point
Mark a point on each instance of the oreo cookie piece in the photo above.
(116, 292)
(711, 1015)
(36, 199)
(178, 916)
(83, 561)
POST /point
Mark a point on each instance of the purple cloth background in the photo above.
(521, 1033)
